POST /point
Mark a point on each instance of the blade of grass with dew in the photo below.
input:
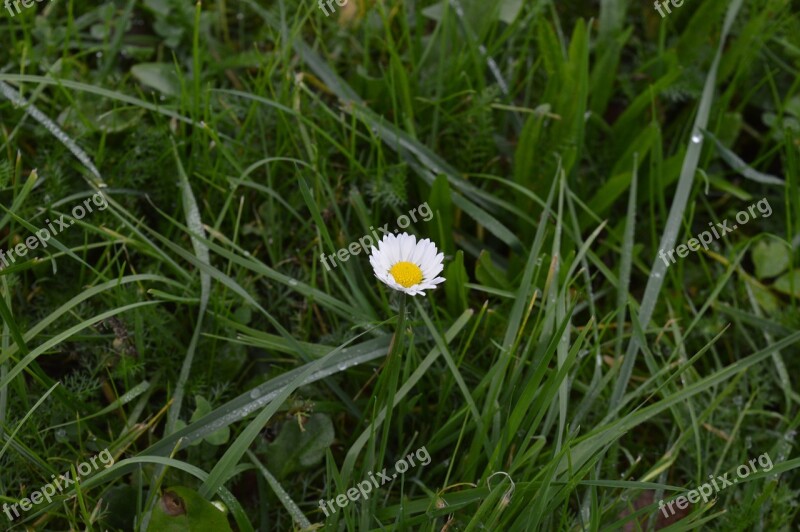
(14, 97)
(91, 89)
(249, 402)
(122, 400)
(286, 501)
(670, 235)
(625, 266)
(195, 225)
(238, 448)
(97, 182)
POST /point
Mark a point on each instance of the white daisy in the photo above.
(407, 265)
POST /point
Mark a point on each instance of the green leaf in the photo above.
(243, 315)
(765, 298)
(158, 76)
(182, 510)
(770, 259)
(295, 449)
(219, 437)
(509, 10)
(478, 13)
(788, 283)
(160, 7)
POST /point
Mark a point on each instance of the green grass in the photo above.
(563, 377)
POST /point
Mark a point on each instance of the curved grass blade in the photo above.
(25, 418)
(15, 98)
(129, 465)
(123, 399)
(744, 169)
(83, 296)
(593, 442)
(55, 340)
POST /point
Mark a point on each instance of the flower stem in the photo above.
(397, 339)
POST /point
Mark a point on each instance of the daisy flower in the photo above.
(407, 265)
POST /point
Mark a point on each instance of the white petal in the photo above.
(409, 244)
(419, 252)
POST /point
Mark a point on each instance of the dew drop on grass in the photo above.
(18, 101)
(254, 394)
(696, 138)
(292, 282)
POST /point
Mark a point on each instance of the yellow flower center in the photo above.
(407, 274)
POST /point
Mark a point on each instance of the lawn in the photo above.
(429, 265)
